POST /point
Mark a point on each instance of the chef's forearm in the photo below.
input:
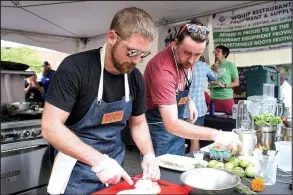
(68, 143)
(141, 137)
(189, 131)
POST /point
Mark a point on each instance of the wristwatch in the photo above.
(225, 85)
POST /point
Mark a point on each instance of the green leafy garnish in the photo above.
(243, 189)
(267, 119)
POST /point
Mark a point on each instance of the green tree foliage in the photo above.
(23, 55)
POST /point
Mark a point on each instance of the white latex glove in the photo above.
(229, 140)
(193, 114)
(150, 167)
(110, 172)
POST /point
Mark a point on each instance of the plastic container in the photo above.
(198, 154)
(268, 90)
(266, 166)
(257, 75)
(244, 115)
(221, 155)
(284, 157)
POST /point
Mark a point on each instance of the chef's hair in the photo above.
(196, 36)
(132, 20)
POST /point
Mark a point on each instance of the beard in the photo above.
(185, 65)
(45, 73)
(181, 64)
(123, 68)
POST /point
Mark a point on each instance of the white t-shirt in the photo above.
(286, 95)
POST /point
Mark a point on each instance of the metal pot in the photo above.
(16, 107)
(266, 137)
(249, 140)
(286, 133)
(210, 181)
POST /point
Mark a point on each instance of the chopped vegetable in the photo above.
(172, 164)
(229, 166)
(242, 189)
(243, 163)
(267, 119)
(201, 164)
(219, 165)
(250, 171)
(234, 161)
(257, 185)
(238, 171)
(212, 163)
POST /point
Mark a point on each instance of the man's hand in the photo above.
(229, 140)
(218, 82)
(33, 84)
(215, 67)
(110, 172)
(193, 114)
(150, 167)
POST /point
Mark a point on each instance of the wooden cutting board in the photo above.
(166, 188)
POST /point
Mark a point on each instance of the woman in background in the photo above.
(222, 89)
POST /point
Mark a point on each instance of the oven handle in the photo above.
(28, 147)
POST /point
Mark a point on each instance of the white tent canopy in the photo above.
(72, 26)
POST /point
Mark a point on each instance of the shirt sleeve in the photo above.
(163, 87)
(64, 86)
(212, 75)
(139, 102)
(234, 71)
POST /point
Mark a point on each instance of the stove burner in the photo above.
(20, 127)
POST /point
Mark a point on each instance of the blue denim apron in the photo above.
(106, 138)
(163, 141)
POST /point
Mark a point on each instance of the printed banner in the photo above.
(258, 28)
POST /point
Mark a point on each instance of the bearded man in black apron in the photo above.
(167, 78)
(89, 100)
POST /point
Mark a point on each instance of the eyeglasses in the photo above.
(135, 52)
(195, 28)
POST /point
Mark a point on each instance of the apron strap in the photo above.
(126, 85)
(101, 84)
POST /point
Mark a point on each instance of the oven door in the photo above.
(24, 168)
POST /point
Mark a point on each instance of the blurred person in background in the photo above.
(286, 91)
(47, 74)
(222, 89)
(33, 90)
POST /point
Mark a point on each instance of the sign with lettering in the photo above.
(258, 28)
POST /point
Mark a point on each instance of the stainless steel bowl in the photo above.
(210, 181)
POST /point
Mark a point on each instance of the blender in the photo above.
(266, 103)
(244, 127)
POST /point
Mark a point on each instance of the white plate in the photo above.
(184, 163)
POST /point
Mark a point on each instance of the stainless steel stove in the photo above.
(25, 156)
